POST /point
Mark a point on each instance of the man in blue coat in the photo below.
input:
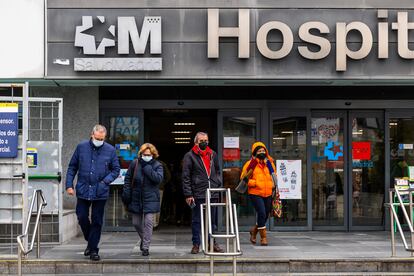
(97, 165)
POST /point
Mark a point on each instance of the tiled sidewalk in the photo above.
(176, 243)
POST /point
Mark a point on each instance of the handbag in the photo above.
(276, 202)
(126, 199)
(242, 186)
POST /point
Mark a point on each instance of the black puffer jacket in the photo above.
(145, 196)
(195, 178)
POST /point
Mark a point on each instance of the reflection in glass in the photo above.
(367, 171)
(401, 146)
(234, 156)
(289, 143)
(328, 171)
(123, 134)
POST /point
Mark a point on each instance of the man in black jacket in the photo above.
(201, 171)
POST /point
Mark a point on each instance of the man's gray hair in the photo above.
(98, 128)
(199, 134)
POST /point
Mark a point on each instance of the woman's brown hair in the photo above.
(149, 146)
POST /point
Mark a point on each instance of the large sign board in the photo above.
(174, 43)
(9, 132)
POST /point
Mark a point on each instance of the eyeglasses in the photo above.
(202, 141)
(147, 155)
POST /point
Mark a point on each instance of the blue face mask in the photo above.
(146, 158)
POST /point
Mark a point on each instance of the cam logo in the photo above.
(125, 33)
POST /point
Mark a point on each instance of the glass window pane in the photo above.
(289, 143)
(367, 170)
(243, 128)
(401, 146)
(123, 134)
(328, 171)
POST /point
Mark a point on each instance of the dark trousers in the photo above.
(263, 206)
(91, 228)
(196, 219)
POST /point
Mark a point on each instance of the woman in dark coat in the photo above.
(141, 193)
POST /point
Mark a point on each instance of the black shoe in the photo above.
(87, 252)
(145, 252)
(95, 256)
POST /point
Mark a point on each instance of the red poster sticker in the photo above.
(361, 150)
(231, 154)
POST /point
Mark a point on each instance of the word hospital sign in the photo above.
(123, 46)
(343, 53)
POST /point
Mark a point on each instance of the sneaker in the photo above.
(87, 252)
(145, 252)
(195, 249)
(95, 256)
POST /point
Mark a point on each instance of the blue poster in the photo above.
(9, 132)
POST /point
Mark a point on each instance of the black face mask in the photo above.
(261, 156)
(203, 145)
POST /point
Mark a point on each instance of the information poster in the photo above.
(9, 131)
(231, 142)
(289, 178)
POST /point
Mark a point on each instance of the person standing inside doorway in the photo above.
(97, 165)
(257, 172)
(201, 171)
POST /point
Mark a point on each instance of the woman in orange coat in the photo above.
(260, 185)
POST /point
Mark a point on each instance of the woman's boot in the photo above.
(253, 234)
(263, 238)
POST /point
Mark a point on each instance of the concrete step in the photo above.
(245, 274)
(245, 266)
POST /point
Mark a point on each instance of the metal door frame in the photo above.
(104, 114)
(295, 113)
(348, 115)
(339, 114)
(351, 115)
(221, 113)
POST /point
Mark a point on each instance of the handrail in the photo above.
(232, 230)
(41, 203)
(394, 216)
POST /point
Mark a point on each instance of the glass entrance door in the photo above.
(367, 178)
(329, 206)
(125, 134)
(348, 165)
(239, 131)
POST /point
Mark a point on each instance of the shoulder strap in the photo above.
(135, 173)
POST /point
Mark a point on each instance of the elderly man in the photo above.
(97, 165)
(200, 171)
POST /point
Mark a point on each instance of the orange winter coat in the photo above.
(260, 182)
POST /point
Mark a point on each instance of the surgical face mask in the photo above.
(146, 158)
(97, 143)
(203, 145)
(261, 156)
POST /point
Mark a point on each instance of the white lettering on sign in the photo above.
(118, 64)
(127, 32)
(343, 52)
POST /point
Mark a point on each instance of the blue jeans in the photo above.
(263, 206)
(196, 219)
(91, 229)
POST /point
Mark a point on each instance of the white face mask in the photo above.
(97, 143)
(147, 158)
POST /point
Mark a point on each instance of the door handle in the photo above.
(23, 175)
